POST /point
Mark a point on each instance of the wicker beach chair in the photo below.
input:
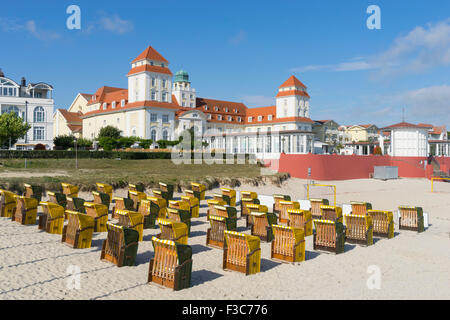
(262, 225)
(166, 190)
(78, 231)
(241, 253)
(75, 204)
(277, 198)
(136, 187)
(171, 265)
(33, 191)
(199, 190)
(215, 236)
(358, 229)
(8, 203)
(180, 215)
(120, 246)
(26, 210)
(383, 223)
(245, 202)
(161, 204)
(332, 213)
(136, 196)
(122, 204)
(316, 213)
(411, 218)
(172, 230)
(284, 206)
(301, 219)
(52, 218)
(288, 244)
(254, 208)
(101, 198)
(219, 197)
(211, 207)
(70, 190)
(229, 196)
(150, 212)
(58, 198)
(105, 188)
(360, 208)
(329, 236)
(98, 212)
(194, 205)
(133, 220)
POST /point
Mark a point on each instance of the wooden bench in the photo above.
(301, 219)
(360, 208)
(122, 204)
(215, 236)
(332, 213)
(211, 207)
(229, 196)
(58, 198)
(288, 244)
(150, 212)
(98, 212)
(161, 204)
(241, 253)
(136, 196)
(26, 211)
(316, 213)
(120, 246)
(262, 225)
(133, 220)
(383, 223)
(75, 204)
(194, 205)
(78, 231)
(171, 265)
(70, 190)
(284, 206)
(8, 203)
(172, 230)
(276, 204)
(253, 208)
(101, 198)
(33, 191)
(52, 218)
(358, 229)
(180, 215)
(411, 218)
(329, 236)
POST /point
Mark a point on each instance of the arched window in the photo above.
(39, 114)
(153, 135)
(165, 135)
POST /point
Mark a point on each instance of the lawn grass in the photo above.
(117, 172)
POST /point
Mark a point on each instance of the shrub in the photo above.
(110, 132)
(63, 142)
(108, 143)
(84, 143)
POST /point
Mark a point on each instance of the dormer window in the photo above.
(235, 110)
(250, 119)
(239, 119)
(216, 108)
(113, 104)
(104, 106)
(230, 118)
(269, 117)
(162, 65)
(151, 63)
(219, 117)
(259, 118)
(122, 103)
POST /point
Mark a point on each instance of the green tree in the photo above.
(63, 142)
(110, 132)
(12, 128)
(84, 143)
(108, 143)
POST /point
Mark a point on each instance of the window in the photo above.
(164, 96)
(216, 108)
(104, 106)
(151, 63)
(209, 116)
(153, 95)
(250, 119)
(226, 109)
(153, 117)
(9, 109)
(38, 133)
(165, 135)
(153, 82)
(183, 95)
(235, 110)
(205, 107)
(113, 104)
(192, 104)
(259, 118)
(153, 135)
(122, 103)
(165, 118)
(162, 65)
(39, 114)
(219, 117)
(239, 119)
(230, 118)
(164, 83)
(269, 117)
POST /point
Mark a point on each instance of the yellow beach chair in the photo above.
(288, 244)
(8, 203)
(254, 208)
(162, 206)
(329, 236)
(58, 198)
(383, 223)
(70, 190)
(411, 218)
(78, 231)
(262, 225)
(150, 212)
(194, 205)
(276, 205)
(137, 196)
(284, 206)
(215, 236)
(211, 204)
(332, 213)
(199, 190)
(33, 191)
(301, 219)
(52, 218)
(316, 213)
(172, 230)
(242, 253)
(360, 208)
(120, 246)
(101, 198)
(26, 210)
(98, 212)
(105, 188)
(133, 220)
(358, 229)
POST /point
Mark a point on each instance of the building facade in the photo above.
(33, 102)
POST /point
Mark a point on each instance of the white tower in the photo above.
(182, 90)
(150, 78)
(292, 99)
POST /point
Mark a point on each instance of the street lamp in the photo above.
(76, 155)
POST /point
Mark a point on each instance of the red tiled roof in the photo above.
(71, 117)
(425, 125)
(292, 82)
(149, 68)
(75, 128)
(150, 54)
(406, 125)
(87, 96)
(292, 93)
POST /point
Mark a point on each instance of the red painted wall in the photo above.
(339, 167)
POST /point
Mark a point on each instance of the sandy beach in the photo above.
(34, 264)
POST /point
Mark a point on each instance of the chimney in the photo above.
(1, 73)
(23, 82)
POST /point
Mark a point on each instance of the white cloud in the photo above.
(238, 38)
(30, 26)
(258, 101)
(115, 24)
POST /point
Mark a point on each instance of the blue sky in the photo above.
(243, 50)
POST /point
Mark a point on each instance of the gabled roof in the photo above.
(71, 117)
(150, 54)
(407, 125)
(292, 82)
(108, 94)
